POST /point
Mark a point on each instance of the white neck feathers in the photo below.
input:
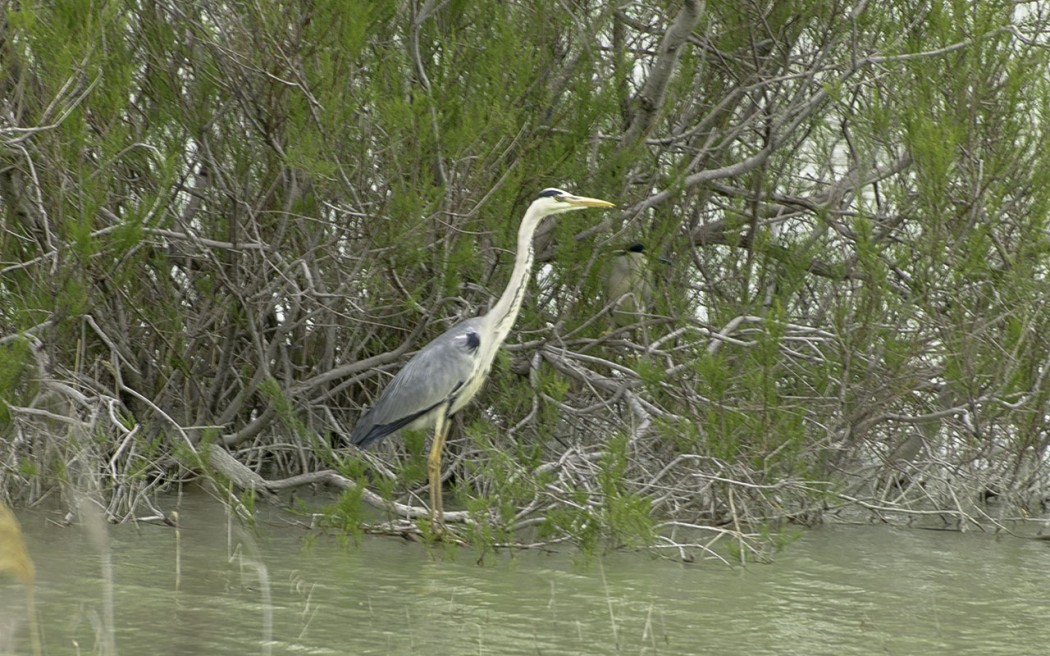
(502, 315)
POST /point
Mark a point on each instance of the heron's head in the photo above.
(637, 250)
(555, 201)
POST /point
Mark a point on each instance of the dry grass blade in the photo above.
(14, 557)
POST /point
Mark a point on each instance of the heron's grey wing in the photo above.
(430, 378)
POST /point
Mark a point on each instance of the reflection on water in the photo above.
(834, 591)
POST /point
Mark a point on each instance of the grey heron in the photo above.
(443, 376)
(629, 285)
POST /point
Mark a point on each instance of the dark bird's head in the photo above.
(637, 250)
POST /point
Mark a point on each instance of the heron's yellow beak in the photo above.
(583, 201)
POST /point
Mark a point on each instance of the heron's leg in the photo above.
(437, 511)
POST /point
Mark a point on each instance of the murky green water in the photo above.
(835, 591)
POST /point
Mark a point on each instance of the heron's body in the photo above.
(443, 376)
(629, 285)
(447, 372)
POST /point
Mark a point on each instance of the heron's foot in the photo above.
(439, 532)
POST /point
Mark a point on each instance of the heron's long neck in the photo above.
(503, 314)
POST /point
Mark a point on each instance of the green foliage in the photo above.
(15, 366)
(494, 508)
(414, 469)
(626, 514)
(583, 524)
(345, 514)
(218, 211)
(621, 516)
